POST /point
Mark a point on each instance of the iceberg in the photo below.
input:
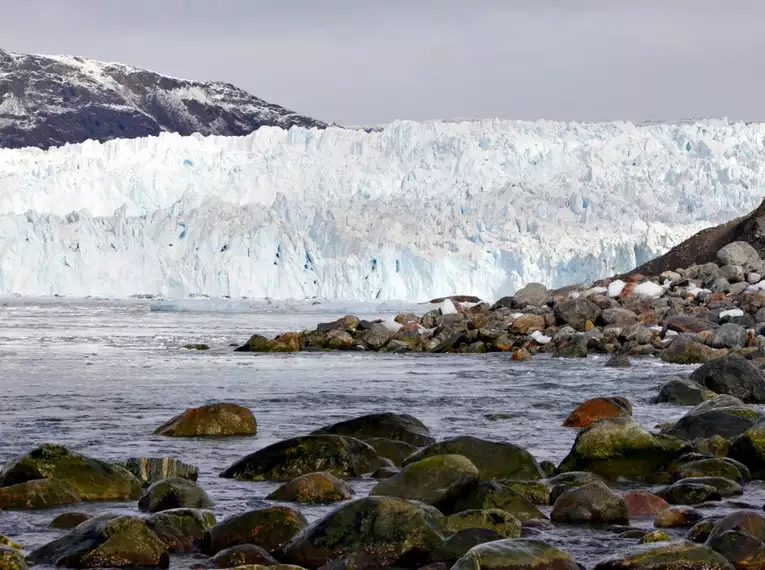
(410, 211)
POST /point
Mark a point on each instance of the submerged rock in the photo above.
(398, 427)
(212, 420)
(313, 488)
(515, 554)
(67, 521)
(590, 411)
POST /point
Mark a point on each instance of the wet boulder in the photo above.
(642, 503)
(270, 528)
(749, 449)
(685, 350)
(724, 486)
(686, 492)
(699, 533)
(743, 550)
(91, 479)
(105, 542)
(241, 555)
(712, 467)
(212, 420)
(181, 529)
(496, 520)
(38, 494)
(591, 411)
(494, 460)
(433, 480)
(683, 392)
(621, 447)
(149, 470)
(678, 516)
(493, 495)
(174, 493)
(594, 503)
(666, 555)
(723, 415)
(313, 488)
(734, 375)
(536, 492)
(515, 554)
(282, 461)
(398, 427)
(67, 521)
(458, 544)
(748, 521)
(396, 451)
(386, 529)
(12, 559)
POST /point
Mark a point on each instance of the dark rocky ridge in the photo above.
(49, 101)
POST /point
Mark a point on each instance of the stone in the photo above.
(398, 427)
(496, 520)
(729, 335)
(749, 449)
(711, 467)
(174, 493)
(526, 324)
(725, 487)
(591, 411)
(679, 554)
(685, 492)
(738, 253)
(494, 495)
(716, 446)
(723, 415)
(313, 488)
(515, 554)
(270, 528)
(12, 559)
(494, 460)
(38, 494)
(576, 312)
(699, 533)
(741, 549)
(570, 346)
(149, 470)
(593, 503)
(732, 375)
(683, 392)
(283, 461)
(619, 361)
(617, 317)
(212, 420)
(347, 323)
(733, 273)
(536, 492)
(181, 529)
(458, 544)
(684, 350)
(67, 521)
(641, 503)
(679, 516)
(656, 536)
(386, 529)
(105, 542)
(7, 542)
(688, 324)
(433, 480)
(91, 479)
(339, 340)
(241, 555)
(376, 337)
(533, 295)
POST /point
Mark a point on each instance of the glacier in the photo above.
(409, 211)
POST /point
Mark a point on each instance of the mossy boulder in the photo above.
(723, 415)
(38, 494)
(181, 529)
(515, 554)
(699, 533)
(313, 488)
(725, 487)
(174, 493)
(746, 520)
(105, 542)
(388, 529)
(683, 392)
(678, 555)
(685, 492)
(499, 521)
(149, 470)
(621, 447)
(494, 459)
(656, 536)
(494, 495)
(398, 427)
(241, 555)
(92, 479)
(678, 516)
(735, 375)
(212, 420)
(590, 411)
(536, 492)
(458, 544)
(749, 449)
(594, 503)
(67, 521)
(433, 480)
(270, 528)
(341, 456)
(12, 559)
(710, 467)
(396, 451)
(7, 542)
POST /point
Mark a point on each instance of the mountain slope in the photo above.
(49, 101)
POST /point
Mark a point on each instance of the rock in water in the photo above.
(732, 375)
(723, 415)
(749, 449)
(458, 544)
(105, 542)
(687, 493)
(174, 493)
(212, 420)
(674, 517)
(387, 529)
(12, 559)
(241, 555)
(313, 488)
(38, 494)
(282, 461)
(590, 411)
(269, 528)
(678, 554)
(92, 479)
(494, 460)
(684, 350)
(515, 554)
(644, 504)
(591, 504)
(181, 529)
(496, 520)
(493, 495)
(684, 392)
(398, 427)
(67, 521)
(396, 451)
(432, 480)
(152, 469)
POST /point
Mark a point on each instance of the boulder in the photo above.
(619, 361)
(748, 521)
(346, 323)
(741, 549)
(527, 324)
(91, 479)
(212, 420)
(515, 554)
(749, 449)
(699, 533)
(181, 529)
(679, 516)
(67, 521)
(241, 555)
(149, 470)
(433, 480)
(725, 487)
(732, 375)
(617, 317)
(729, 335)
(313, 488)
(685, 350)
(458, 544)
(7, 542)
(531, 295)
(576, 313)
(496, 520)
(683, 392)
(396, 451)
(12, 559)
(711, 467)
(679, 554)
(398, 427)
(174, 493)
(641, 503)
(656, 536)
(376, 337)
(723, 415)
(688, 324)
(494, 460)
(386, 529)
(686, 492)
(494, 495)
(105, 542)
(282, 461)
(621, 447)
(38, 494)
(594, 503)
(270, 528)
(536, 492)
(738, 253)
(716, 446)
(339, 340)
(591, 411)
(570, 346)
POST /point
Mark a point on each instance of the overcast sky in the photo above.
(372, 61)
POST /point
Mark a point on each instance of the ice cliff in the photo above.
(412, 211)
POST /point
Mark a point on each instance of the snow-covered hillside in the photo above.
(414, 211)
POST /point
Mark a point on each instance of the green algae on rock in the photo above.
(536, 492)
(666, 555)
(501, 522)
(494, 495)
(38, 494)
(241, 555)
(593, 503)
(270, 528)
(515, 554)
(174, 493)
(181, 529)
(212, 420)
(12, 559)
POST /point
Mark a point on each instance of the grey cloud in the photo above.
(370, 61)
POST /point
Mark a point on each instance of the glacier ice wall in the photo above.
(414, 211)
